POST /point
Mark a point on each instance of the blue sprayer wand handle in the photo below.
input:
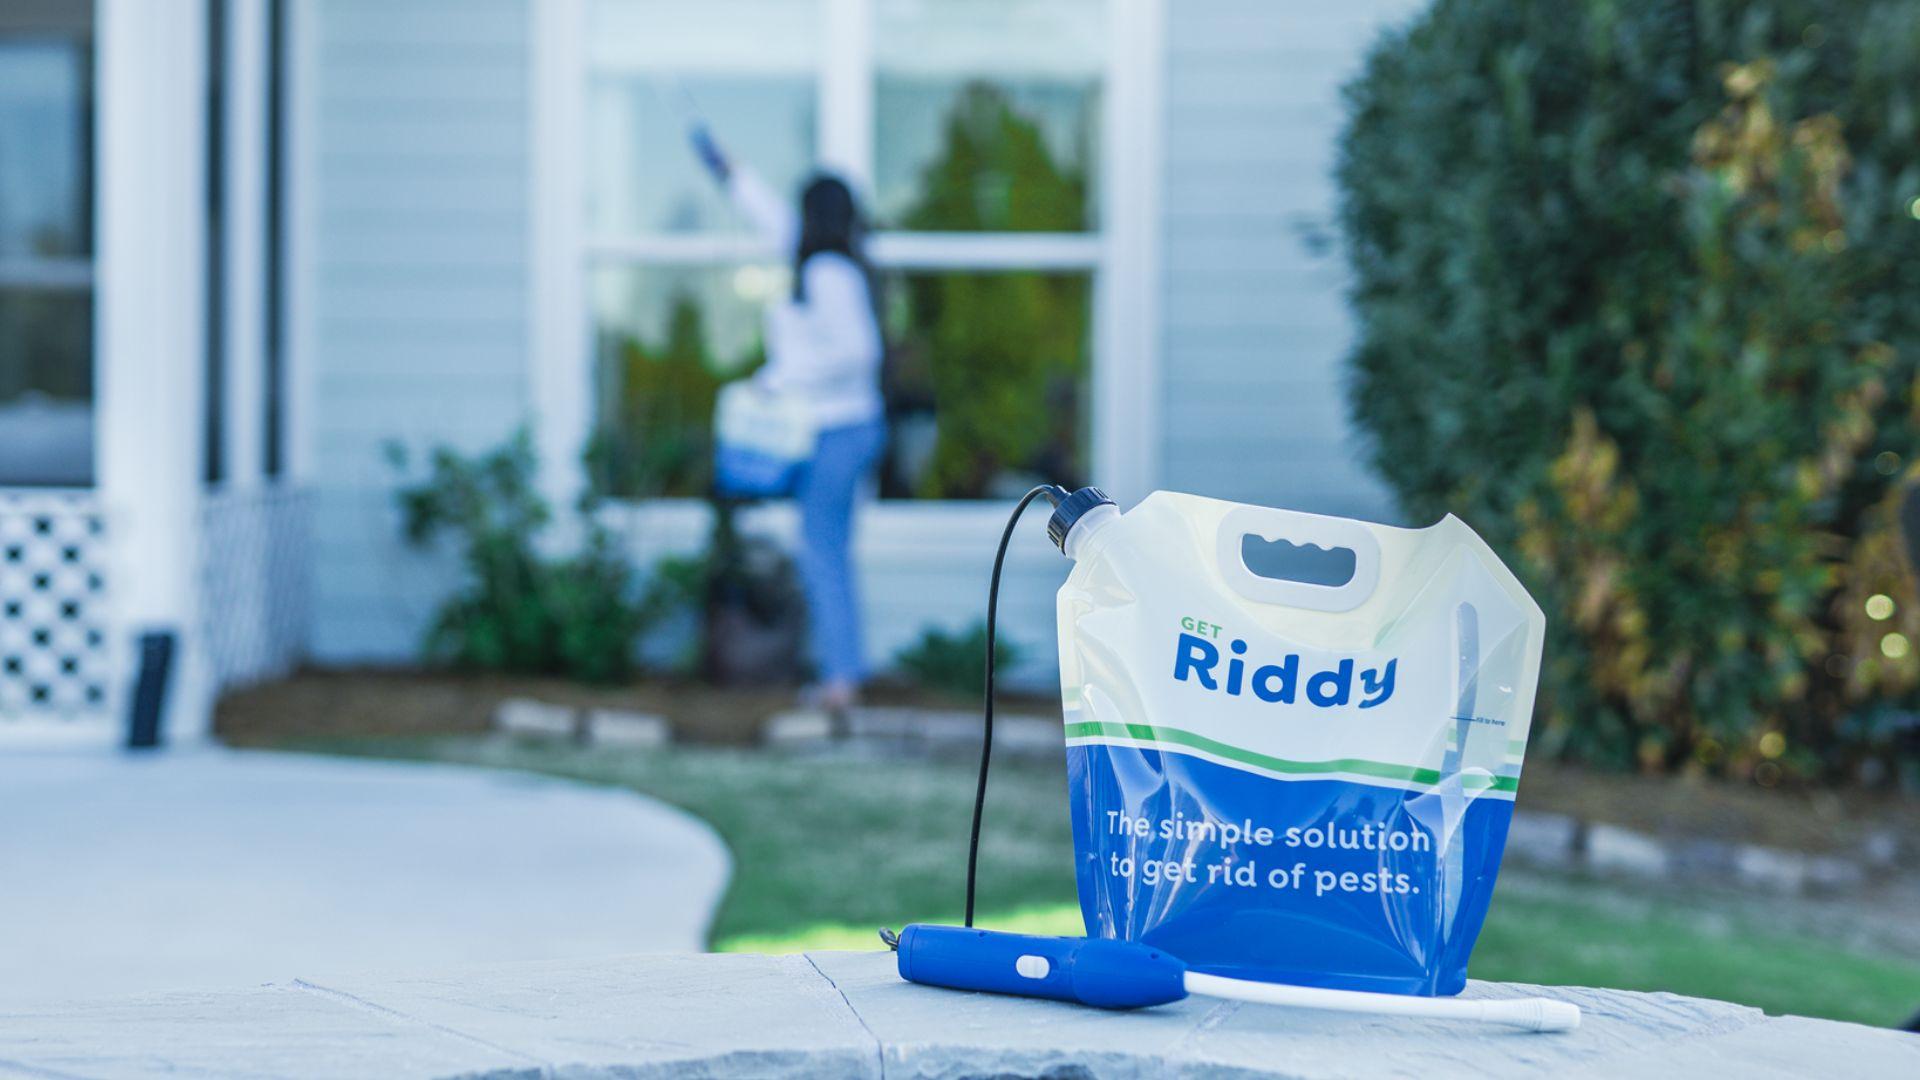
(1112, 974)
(1092, 971)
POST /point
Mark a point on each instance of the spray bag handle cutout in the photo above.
(1325, 533)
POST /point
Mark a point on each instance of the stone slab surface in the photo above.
(215, 869)
(664, 1015)
(849, 1015)
(285, 1030)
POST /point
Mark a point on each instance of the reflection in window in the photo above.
(46, 348)
(45, 159)
(1015, 86)
(46, 387)
(668, 337)
(745, 67)
(986, 383)
(986, 377)
(646, 180)
(46, 246)
(993, 171)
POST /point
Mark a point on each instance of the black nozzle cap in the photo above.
(1070, 510)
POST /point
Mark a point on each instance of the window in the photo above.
(973, 130)
(986, 114)
(46, 245)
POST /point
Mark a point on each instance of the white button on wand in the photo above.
(1032, 967)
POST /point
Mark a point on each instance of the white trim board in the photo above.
(243, 308)
(300, 179)
(845, 115)
(1128, 432)
(149, 332)
(559, 357)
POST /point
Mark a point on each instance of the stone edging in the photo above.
(1566, 843)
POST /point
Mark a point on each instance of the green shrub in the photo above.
(518, 610)
(955, 663)
(1639, 292)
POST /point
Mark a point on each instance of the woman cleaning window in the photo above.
(823, 349)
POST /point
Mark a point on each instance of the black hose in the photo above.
(1053, 495)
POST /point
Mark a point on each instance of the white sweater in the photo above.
(825, 350)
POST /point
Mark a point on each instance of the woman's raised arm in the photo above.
(770, 215)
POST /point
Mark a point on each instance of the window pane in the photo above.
(46, 387)
(45, 157)
(46, 240)
(745, 67)
(987, 114)
(667, 338)
(986, 383)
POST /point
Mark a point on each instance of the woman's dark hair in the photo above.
(829, 221)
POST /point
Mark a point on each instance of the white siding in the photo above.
(1256, 324)
(418, 267)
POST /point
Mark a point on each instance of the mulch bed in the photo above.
(384, 702)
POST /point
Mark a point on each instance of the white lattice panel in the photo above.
(54, 661)
(253, 580)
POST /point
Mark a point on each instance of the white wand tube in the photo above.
(1533, 1014)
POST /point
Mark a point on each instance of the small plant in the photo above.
(519, 610)
(955, 663)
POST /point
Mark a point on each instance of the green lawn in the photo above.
(826, 850)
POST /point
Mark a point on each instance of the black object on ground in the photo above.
(150, 689)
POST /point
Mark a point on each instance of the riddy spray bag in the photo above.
(1305, 778)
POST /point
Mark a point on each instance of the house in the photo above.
(245, 244)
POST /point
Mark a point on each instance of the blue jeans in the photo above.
(841, 460)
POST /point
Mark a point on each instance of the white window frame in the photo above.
(1123, 257)
(243, 442)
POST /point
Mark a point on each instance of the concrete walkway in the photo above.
(219, 869)
(850, 1015)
